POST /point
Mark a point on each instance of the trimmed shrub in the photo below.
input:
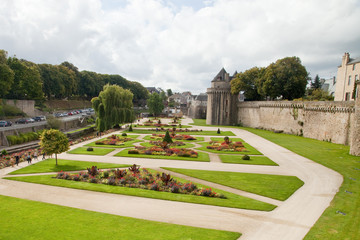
(90, 149)
(218, 131)
(167, 137)
(124, 134)
(246, 157)
(130, 128)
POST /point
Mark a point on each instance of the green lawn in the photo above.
(125, 145)
(25, 219)
(97, 151)
(48, 165)
(202, 157)
(198, 139)
(331, 225)
(233, 200)
(209, 133)
(254, 160)
(250, 149)
(272, 186)
(187, 145)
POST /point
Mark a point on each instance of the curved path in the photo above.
(292, 219)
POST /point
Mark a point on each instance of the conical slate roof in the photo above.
(220, 76)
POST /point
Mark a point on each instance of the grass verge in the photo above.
(96, 151)
(52, 221)
(250, 149)
(233, 200)
(332, 224)
(202, 157)
(272, 186)
(48, 165)
(254, 160)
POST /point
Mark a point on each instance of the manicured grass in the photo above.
(250, 149)
(254, 160)
(25, 219)
(331, 224)
(209, 133)
(97, 151)
(272, 186)
(125, 145)
(187, 145)
(202, 157)
(182, 126)
(48, 165)
(81, 129)
(233, 200)
(202, 122)
(198, 139)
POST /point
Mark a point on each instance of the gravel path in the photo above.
(292, 219)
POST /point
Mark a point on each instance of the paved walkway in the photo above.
(292, 219)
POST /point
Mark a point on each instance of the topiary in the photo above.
(246, 157)
(218, 131)
(167, 137)
(124, 134)
(90, 149)
(130, 128)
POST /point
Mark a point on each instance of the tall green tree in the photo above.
(169, 92)
(316, 84)
(113, 107)
(248, 82)
(155, 104)
(53, 141)
(6, 74)
(286, 78)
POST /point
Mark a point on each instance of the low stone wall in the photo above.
(27, 106)
(327, 121)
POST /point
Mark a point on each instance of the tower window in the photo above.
(349, 82)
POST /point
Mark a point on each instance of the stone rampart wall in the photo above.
(327, 121)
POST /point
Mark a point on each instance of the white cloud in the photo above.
(165, 44)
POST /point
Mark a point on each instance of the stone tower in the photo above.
(355, 142)
(221, 105)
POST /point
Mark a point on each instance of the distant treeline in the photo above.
(22, 79)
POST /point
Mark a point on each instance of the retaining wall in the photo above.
(327, 121)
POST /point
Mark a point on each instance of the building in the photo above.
(347, 75)
(153, 90)
(329, 85)
(221, 104)
(198, 106)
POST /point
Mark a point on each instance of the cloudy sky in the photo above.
(180, 44)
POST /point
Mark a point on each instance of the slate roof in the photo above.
(220, 76)
(352, 60)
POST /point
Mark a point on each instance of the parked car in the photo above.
(22, 121)
(30, 120)
(39, 118)
(9, 123)
(3, 124)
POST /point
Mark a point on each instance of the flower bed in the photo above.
(155, 150)
(176, 137)
(227, 146)
(114, 140)
(134, 177)
(9, 159)
(173, 144)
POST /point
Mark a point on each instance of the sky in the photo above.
(181, 44)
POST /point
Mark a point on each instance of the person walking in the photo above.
(43, 158)
(28, 158)
(36, 155)
(17, 160)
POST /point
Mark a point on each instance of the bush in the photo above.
(10, 110)
(90, 149)
(167, 137)
(4, 152)
(130, 128)
(218, 131)
(124, 134)
(133, 151)
(246, 157)
(53, 122)
(106, 174)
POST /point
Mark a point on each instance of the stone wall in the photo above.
(327, 121)
(355, 142)
(27, 106)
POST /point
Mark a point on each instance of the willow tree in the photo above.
(113, 107)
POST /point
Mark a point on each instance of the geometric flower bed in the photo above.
(134, 177)
(155, 150)
(113, 140)
(227, 146)
(174, 136)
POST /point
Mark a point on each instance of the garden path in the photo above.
(291, 220)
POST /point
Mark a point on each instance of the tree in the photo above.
(53, 141)
(113, 107)
(6, 79)
(169, 92)
(155, 104)
(286, 79)
(316, 84)
(248, 82)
